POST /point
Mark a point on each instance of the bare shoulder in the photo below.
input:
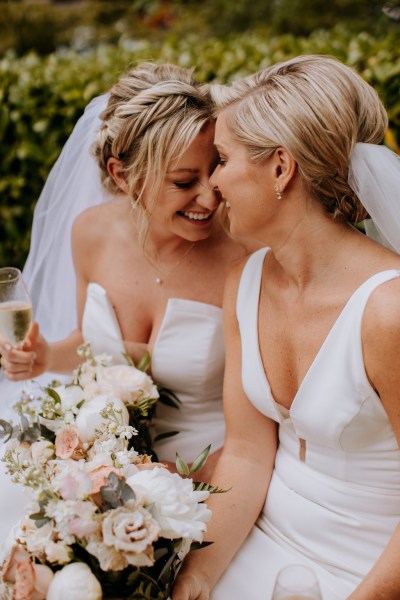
(91, 224)
(383, 306)
(381, 322)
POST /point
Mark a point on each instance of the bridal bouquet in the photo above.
(105, 521)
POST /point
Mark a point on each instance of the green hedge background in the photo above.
(45, 87)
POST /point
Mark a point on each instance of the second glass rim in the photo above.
(5, 273)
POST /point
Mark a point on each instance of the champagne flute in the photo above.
(296, 582)
(15, 308)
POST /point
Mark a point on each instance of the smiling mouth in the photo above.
(198, 217)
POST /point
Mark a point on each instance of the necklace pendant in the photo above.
(158, 280)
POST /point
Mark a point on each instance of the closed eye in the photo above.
(185, 185)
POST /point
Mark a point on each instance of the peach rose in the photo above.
(31, 581)
(68, 444)
(99, 477)
(17, 554)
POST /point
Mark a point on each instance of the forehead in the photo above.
(200, 150)
(223, 138)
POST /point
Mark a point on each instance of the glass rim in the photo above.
(9, 274)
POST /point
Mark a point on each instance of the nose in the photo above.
(208, 196)
(213, 179)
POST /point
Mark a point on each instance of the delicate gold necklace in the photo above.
(161, 276)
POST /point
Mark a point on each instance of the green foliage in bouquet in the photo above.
(104, 520)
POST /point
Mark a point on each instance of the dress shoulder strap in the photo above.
(249, 286)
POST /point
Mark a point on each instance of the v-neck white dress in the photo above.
(334, 498)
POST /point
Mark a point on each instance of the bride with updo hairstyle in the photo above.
(149, 253)
(312, 377)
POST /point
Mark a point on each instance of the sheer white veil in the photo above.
(72, 186)
(374, 175)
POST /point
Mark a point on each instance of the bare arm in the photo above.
(381, 347)
(246, 463)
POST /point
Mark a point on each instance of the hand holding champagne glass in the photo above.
(15, 306)
(296, 582)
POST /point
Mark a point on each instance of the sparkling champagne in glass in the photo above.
(15, 306)
(296, 582)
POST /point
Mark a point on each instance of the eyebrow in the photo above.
(184, 170)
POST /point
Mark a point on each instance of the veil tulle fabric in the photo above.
(374, 175)
(73, 185)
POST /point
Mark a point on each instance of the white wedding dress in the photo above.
(188, 358)
(334, 506)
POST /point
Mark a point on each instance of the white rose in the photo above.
(109, 558)
(36, 538)
(58, 552)
(131, 530)
(172, 501)
(89, 419)
(74, 582)
(126, 382)
(41, 452)
(70, 395)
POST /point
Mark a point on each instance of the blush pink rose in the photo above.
(99, 477)
(24, 580)
(17, 555)
(68, 444)
(30, 581)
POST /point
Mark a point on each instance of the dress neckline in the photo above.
(279, 407)
(201, 306)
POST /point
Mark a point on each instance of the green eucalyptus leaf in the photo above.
(201, 460)
(163, 436)
(199, 545)
(168, 398)
(181, 466)
(127, 494)
(53, 394)
(144, 362)
(6, 429)
(128, 359)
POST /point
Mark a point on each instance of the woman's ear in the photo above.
(285, 167)
(116, 170)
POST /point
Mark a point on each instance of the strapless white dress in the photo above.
(188, 358)
(334, 506)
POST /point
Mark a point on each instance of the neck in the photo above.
(306, 251)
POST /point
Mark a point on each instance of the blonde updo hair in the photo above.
(315, 107)
(153, 115)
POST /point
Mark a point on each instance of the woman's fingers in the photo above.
(16, 364)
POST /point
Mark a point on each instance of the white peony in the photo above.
(126, 383)
(89, 418)
(174, 504)
(74, 582)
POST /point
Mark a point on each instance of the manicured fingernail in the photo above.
(7, 347)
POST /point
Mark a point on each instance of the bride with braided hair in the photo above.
(150, 258)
